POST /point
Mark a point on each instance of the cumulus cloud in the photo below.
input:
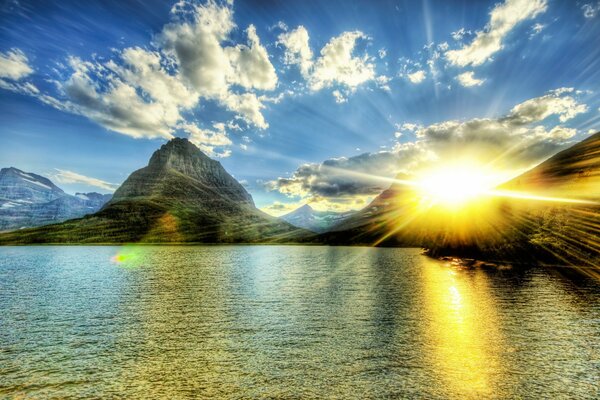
(250, 64)
(468, 79)
(559, 102)
(297, 49)
(504, 17)
(65, 176)
(146, 93)
(416, 77)
(336, 65)
(14, 65)
(526, 135)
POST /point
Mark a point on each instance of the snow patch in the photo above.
(39, 184)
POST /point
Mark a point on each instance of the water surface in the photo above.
(289, 322)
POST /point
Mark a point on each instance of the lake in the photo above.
(289, 322)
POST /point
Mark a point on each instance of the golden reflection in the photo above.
(465, 343)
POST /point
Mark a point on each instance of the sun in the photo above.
(456, 184)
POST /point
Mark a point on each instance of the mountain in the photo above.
(382, 222)
(315, 221)
(555, 232)
(28, 199)
(180, 196)
(522, 225)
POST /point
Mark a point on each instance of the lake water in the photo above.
(289, 322)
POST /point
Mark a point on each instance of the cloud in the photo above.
(468, 79)
(416, 77)
(590, 10)
(337, 65)
(511, 143)
(146, 93)
(214, 70)
(297, 49)
(64, 176)
(116, 104)
(536, 29)
(250, 64)
(14, 65)
(555, 102)
(460, 34)
(208, 139)
(504, 17)
(278, 208)
(406, 127)
(339, 97)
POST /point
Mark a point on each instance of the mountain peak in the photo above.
(15, 183)
(175, 151)
(179, 170)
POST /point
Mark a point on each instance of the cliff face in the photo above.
(170, 167)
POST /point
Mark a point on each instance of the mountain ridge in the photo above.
(28, 199)
(315, 221)
(181, 195)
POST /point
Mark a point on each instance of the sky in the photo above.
(318, 102)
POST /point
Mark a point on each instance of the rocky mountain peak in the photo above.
(179, 170)
(26, 186)
(176, 152)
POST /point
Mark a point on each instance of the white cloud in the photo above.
(408, 127)
(416, 77)
(536, 29)
(251, 67)
(460, 34)
(503, 18)
(211, 68)
(195, 44)
(14, 65)
(590, 10)
(248, 106)
(117, 106)
(208, 139)
(554, 102)
(468, 79)
(339, 97)
(336, 64)
(145, 94)
(65, 176)
(297, 49)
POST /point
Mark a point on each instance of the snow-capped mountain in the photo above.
(28, 199)
(316, 221)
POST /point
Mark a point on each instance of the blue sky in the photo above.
(301, 101)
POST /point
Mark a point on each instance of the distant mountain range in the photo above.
(28, 200)
(315, 221)
(180, 196)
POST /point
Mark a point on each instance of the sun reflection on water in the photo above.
(465, 342)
